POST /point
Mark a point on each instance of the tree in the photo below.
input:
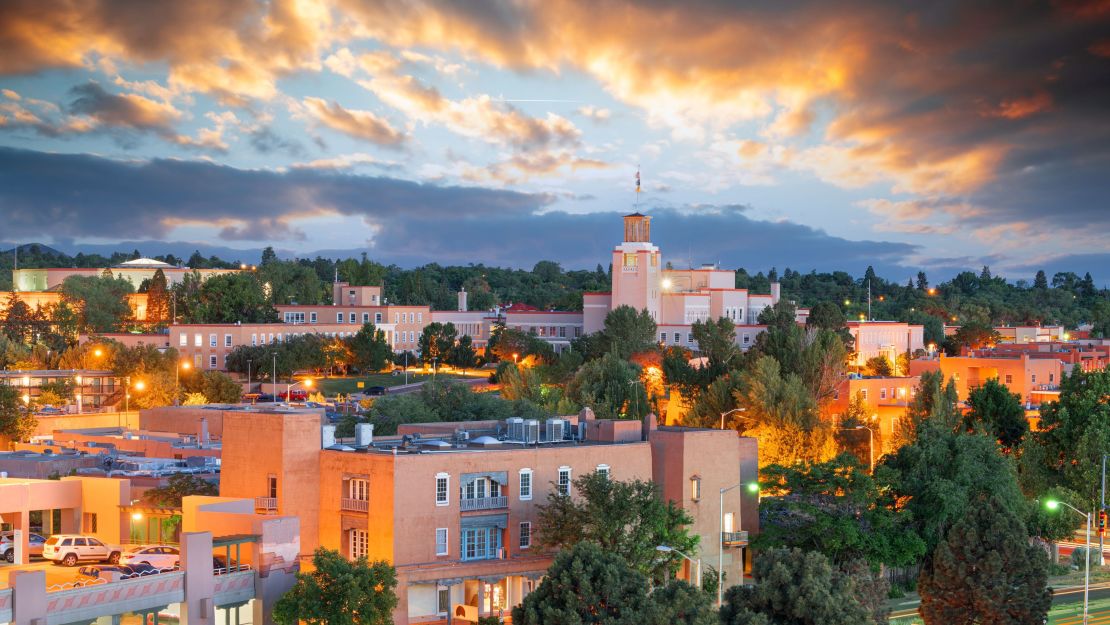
(785, 415)
(158, 298)
(825, 315)
(611, 387)
(102, 301)
(794, 587)
(934, 400)
(975, 335)
(216, 386)
(178, 486)
(370, 349)
(339, 591)
(628, 519)
(18, 321)
(587, 584)
(986, 572)
(194, 399)
(878, 366)
(232, 298)
(999, 412)
(716, 341)
(628, 331)
(505, 343)
(462, 355)
(835, 508)
(679, 603)
(1040, 281)
(16, 421)
(436, 341)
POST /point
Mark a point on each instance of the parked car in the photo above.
(7, 546)
(265, 398)
(375, 391)
(69, 549)
(95, 571)
(158, 556)
(297, 394)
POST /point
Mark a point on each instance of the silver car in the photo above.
(7, 545)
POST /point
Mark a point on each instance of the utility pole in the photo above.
(1102, 506)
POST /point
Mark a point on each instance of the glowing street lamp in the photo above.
(1053, 504)
(697, 562)
(177, 380)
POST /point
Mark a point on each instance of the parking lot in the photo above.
(55, 574)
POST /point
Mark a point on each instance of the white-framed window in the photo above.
(747, 339)
(198, 340)
(562, 332)
(211, 340)
(339, 317)
(271, 337)
(254, 339)
(443, 483)
(563, 484)
(677, 337)
(662, 337)
(366, 317)
(359, 489)
(728, 523)
(1034, 378)
(420, 317)
(882, 393)
(312, 317)
(183, 340)
(351, 317)
(525, 485)
(212, 361)
(525, 534)
(441, 541)
(377, 317)
(603, 469)
(695, 488)
(360, 544)
(227, 340)
(443, 601)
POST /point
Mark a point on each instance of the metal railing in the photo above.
(265, 503)
(734, 538)
(483, 503)
(354, 505)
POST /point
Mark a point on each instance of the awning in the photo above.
(500, 521)
(501, 477)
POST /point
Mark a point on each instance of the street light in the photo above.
(1053, 505)
(696, 563)
(753, 487)
(515, 357)
(870, 441)
(184, 364)
(728, 412)
(80, 389)
(289, 387)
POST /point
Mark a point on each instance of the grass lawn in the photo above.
(332, 386)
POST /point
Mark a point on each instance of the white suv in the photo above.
(69, 549)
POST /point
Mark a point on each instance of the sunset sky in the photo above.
(815, 135)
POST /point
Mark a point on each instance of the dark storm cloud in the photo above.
(408, 223)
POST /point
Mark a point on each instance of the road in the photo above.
(1060, 597)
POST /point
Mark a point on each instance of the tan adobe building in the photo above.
(1036, 380)
(134, 271)
(453, 506)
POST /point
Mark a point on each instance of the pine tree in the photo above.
(985, 572)
(1040, 281)
(158, 298)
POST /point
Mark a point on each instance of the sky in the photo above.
(809, 134)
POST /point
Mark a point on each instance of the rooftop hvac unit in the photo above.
(532, 431)
(516, 428)
(554, 429)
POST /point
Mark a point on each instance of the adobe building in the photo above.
(453, 506)
(888, 339)
(1036, 380)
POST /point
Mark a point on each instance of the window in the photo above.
(695, 488)
(339, 317)
(254, 339)
(441, 541)
(882, 393)
(728, 520)
(747, 339)
(629, 260)
(442, 482)
(677, 337)
(525, 534)
(443, 600)
(377, 317)
(271, 337)
(662, 337)
(294, 317)
(271, 486)
(690, 338)
(562, 332)
(525, 489)
(359, 489)
(212, 361)
(481, 543)
(366, 317)
(360, 544)
(603, 469)
(863, 394)
(80, 542)
(197, 340)
(227, 340)
(1051, 376)
(577, 331)
(312, 317)
(1009, 379)
(564, 480)
(420, 317)
(183, 340)
(351, 317)
(1034, 378)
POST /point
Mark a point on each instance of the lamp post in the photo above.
(870, 441)
(274, 380)
(184, 364)
(696, 563)
(249, 375)
(289, 388)
(77, 379)
(728, 412)
(721, 538)
(1052, 505)
(515, 357)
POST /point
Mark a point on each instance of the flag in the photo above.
(637, 181)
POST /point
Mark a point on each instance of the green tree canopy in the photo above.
(178, 486)
(985, 571)
(628, 519)
(16, 422)
(436, 342)
(999, 412)
(825, 315)
(231, 298)
(339, 591)
(369, 348)
(628, 331)
(216, 386)
(611, 387)
(101, 300)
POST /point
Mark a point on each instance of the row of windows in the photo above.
(484, 487)
(411, 317)
(478, 543)
(198, 340)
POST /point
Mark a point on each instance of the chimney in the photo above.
(775, 293)
(327, 436)
(462, 300)
(651, 424)
(202, 434)
(364, 434)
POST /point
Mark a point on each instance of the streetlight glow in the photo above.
(140, 385)
(1052, 504)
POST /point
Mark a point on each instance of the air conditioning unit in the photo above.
(516, 428)
(532, 431)
(554, 429)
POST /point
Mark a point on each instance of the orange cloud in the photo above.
(363, 125)
(1018, 108)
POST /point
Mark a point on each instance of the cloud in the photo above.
(348, 161)
(363, 125)
(596, 113)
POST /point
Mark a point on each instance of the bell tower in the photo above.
(637, 276)
(637, 228)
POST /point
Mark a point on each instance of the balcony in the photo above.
(354, 505)
(265, 503)
(483, 503)
(734, 539)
